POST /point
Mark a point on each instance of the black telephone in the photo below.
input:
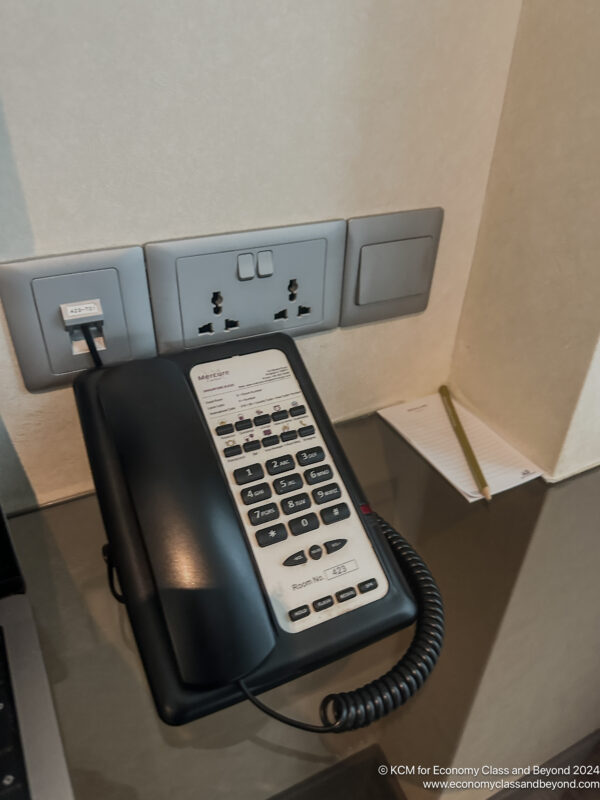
(244, 548)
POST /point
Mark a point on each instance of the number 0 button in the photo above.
(308, 522)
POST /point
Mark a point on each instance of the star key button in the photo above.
(271, 535)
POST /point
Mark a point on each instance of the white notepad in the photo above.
(425, 425)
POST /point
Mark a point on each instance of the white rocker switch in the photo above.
(265, 264)
(245, 266)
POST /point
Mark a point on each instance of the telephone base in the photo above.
(121, 453)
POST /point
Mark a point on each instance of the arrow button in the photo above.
(295, 558)
(334, 544)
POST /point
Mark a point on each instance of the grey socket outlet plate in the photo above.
(198, 297)
(33, 290)
(389, 264)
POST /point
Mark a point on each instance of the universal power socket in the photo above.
(216, 288)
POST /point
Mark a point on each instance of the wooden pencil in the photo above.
(458, 429)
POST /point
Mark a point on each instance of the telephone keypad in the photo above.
(298, 613)
(254, 494)
(263, 514)
(310, 456)
(252, 472)
(326, 493)
(309, 522)
(283, 491)
(272, 535)
(295, 559)
(288, 484)
(299, 502)
(282, 464)
(318, 474)
(335, 513)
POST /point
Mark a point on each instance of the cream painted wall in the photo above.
(530, 323)
(581, 448)
(139, 120)
(538, 694)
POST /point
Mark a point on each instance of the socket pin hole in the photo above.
(217, 302)
(303, 311)
(230, 324)
(293, 289)
(280, 314)
(208, 328)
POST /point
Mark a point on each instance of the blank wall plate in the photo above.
(215, 288)
(32, 292)
(389, 264)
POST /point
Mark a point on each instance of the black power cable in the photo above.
(86, 329)
(111, 571)
(347, 711)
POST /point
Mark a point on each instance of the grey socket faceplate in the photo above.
(198, 286)
(32, 292)
(389, 265)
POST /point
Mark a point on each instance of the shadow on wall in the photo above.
(16, 236)
(16, 241)
(16, 492)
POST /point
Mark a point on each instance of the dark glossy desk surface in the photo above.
(517, 682)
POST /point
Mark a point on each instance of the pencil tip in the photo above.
(486, 493)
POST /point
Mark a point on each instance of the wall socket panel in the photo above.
(33, 291)
(215, 288)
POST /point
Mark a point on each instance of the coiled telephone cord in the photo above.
(347, 711)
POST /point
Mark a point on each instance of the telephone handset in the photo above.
(243, 545)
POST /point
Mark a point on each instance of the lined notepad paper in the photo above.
(425, 425)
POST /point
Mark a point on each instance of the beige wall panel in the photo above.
(530, 321)
(131, 121)
(538, 695)
(581, 448)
